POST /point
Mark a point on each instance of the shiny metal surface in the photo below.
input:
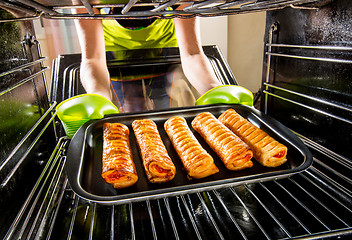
(52, 9)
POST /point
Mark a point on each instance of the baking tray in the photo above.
(84, 158)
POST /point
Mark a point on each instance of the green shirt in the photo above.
(161, 33)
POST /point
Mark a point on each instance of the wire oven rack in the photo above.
(51, 9)
(314, 204)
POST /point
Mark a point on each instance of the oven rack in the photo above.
(26, 65)
(314, 204)
(272, 88)
(27, 71)
(50, 9)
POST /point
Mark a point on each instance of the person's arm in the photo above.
(94, 73)
(195, 64)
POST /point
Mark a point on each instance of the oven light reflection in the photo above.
(245, 215)
(199, 210)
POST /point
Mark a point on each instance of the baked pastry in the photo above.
(118, 167)
(157, 163)
(266, 150)
(195, 159)
(233, 152)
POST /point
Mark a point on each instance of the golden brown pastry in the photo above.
(118, 167)
(156, 161)
(233, 152)
(196, 161)
(266, 150)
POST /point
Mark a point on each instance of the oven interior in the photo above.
(306, 85)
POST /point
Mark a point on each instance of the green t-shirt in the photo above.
(161, 33)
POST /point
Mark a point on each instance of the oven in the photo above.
(306, 87)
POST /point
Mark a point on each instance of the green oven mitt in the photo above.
(226, 94)
(76, 111)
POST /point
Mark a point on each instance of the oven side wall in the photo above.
(27, 131)
(307, 73)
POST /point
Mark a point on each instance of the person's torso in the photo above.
(140, 34)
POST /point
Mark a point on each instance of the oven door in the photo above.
(146, 79)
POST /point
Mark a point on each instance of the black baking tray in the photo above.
(84, 157)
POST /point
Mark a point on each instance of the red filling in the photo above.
(160, 170)
(279, 154)
(248, 156)
(115, 175)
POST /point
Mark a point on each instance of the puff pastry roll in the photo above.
(157, 163)
(233, 152)
(196, 160)
(118, 167)
(266, 150)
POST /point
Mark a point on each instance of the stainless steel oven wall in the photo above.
(308, 71)
(26, 135)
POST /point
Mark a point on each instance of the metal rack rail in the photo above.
(7, 165)
(303, 206)
(161, 9)
(40, 206)
(280, 52)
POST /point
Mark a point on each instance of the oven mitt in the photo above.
(76, 111)
(231, 94)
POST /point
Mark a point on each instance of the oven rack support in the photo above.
(268, 86)
(33, 10)
(40, 208)
(11, 173)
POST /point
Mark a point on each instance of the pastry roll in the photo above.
(195, 159)
(118, 167)
(266, 150)
(233, 152)
(157, 164)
